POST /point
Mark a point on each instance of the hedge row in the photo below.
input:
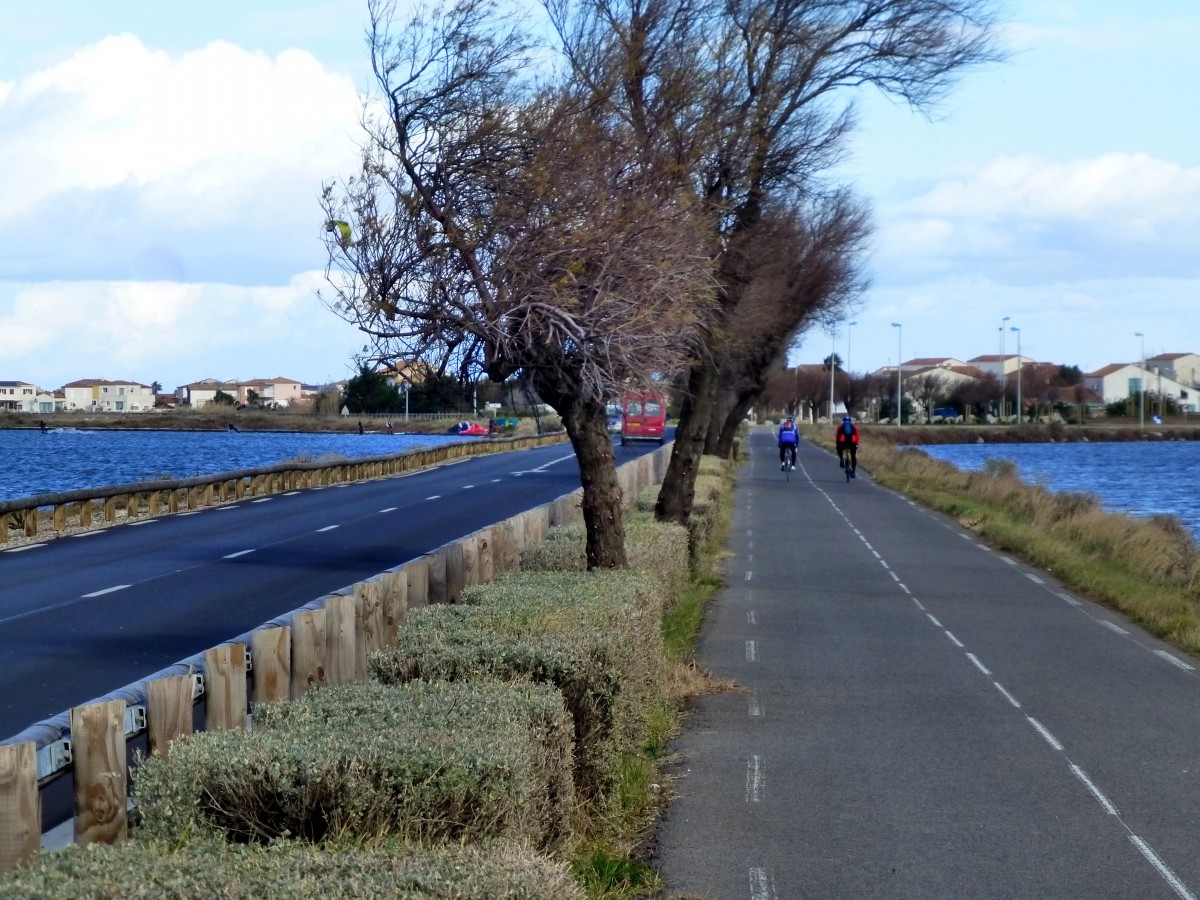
(424, 762)
(595, 636)
(152, 871)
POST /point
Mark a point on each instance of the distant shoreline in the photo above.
(243, 420)
(1025, 434)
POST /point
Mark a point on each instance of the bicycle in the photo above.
(850, 465)
(789, 461)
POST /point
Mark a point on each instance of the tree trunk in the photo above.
(679, 486)
(730, 427)
(587, 427)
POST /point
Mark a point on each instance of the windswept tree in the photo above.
(752, 97)
(505, 227)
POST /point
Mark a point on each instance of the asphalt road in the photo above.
(922, 716)
(83, 615)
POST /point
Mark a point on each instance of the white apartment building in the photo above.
(1120, 380)
(17, 396)
(101, 395)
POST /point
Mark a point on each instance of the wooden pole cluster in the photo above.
(325, 645)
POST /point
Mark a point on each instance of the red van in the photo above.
(643, 416)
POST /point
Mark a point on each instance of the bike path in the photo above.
(921, 716)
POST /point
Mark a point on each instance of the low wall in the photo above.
(324, 642)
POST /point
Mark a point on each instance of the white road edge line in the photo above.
(390, 509)
(145, 522)
(1093, 790)
(327, 528)
(23, 549)
(1034, 578)
(1113, 626)
(1170, 877)
(1045, 733)
(236, 555)
(109, 590)
(1175, 661)
(434, 497)
(83, 534)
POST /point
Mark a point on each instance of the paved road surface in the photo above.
(923, 717)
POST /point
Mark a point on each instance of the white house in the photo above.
(1181, 367)
(1000, 366)
(1120, 380)
(100, 395)
(198, 393)
(18, 396)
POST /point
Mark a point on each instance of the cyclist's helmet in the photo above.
(791, 421)
(847, 419)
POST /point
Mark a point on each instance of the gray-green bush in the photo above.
(426, 762)
(150, 871)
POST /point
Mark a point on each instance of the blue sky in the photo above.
(159, 217)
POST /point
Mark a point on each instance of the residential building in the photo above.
(930, 362)
(1115, 382)
(18, 396)
(1181, 367)
(101, 395)
(267, 391)
(1000, 366)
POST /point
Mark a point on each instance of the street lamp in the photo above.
(1018, 331)
(849, 334)
(1142, 383)
(1003, 372)
(899, 371)
(832, 369)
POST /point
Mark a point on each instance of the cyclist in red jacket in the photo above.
(847, 442)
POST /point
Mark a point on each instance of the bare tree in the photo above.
(499, 227)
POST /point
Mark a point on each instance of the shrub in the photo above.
(659, 549)
(595, 636)
(422, 762)
(149, 871)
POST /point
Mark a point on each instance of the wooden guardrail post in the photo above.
(418, 582)
(31, 522)
(394, 587)
(484, 564)
(98, 750)
(369, 608)
(340, 647)
(455, 570)
(308, 651)
(470, 558)
(505, 555)
(20, 812)
(168, 711)
(60, 516)
(225, 687)
(437, 576)
(271, 650)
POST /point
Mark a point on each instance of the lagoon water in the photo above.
(63, 460)
(1143, 478)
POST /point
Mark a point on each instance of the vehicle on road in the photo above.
(644, 416)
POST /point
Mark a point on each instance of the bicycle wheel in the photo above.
(849, 468)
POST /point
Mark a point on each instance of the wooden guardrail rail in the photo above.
(325, 642)
(29, 516)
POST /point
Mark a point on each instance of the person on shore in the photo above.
(360, 427)
(847, 442)
(789, 438)
(44, 428)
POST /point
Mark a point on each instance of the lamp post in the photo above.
(899, 372)
(1142, 383)
(406, 387)
(1003, 372)
(1018, 331)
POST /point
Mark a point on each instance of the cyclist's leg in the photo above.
(792, 455)
(782, 455)
(841, 449)
(853, 459)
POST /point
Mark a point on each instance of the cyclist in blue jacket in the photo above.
(789, 437)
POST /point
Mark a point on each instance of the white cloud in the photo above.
(196, 132)
(170, 332)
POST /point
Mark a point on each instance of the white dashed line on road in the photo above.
(263, 500)
(1173, 660)
(754, 706)
(26, 547)
(934, 620)
(1069, 599)
(751, 617)
(108, 590)
(957, 643)
(327, 528)
(762, 884)
(389, 509)
(1034, 578)
(1093, 790)
(756, 779)
(751, 651)
(1007, 696)
(434, 497)
(1112, 626)
(1045, 733)
(1170, 877)
(980, 666)
(236, 555)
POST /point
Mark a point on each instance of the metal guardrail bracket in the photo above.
(135, 720)
(53, 758)
(197, 685)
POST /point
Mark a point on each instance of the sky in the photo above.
(160, 166)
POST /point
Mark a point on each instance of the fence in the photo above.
(27, 516)
(326, 642)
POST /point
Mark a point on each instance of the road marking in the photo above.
(390, 509)
(980, 666)
(327, 528)
(867, 544)
(1007, 696)
(1112, 626)
(1170, 877)
(933, 620)
(434, 497)
(1175, 661)
(750, 558)
(467, 487)
(110, 590)
(1034, 578)
(895, 577)
(23, 549)
(226, 507)
(1045, 733)
(751, 651)
(144, 522)
(957, 642)
(290, 493)
(984, 547)
(751, 617)
(755, 708)
(885, 565)
(877, 556)
(918, 602)
(83, 534)
(1069, 599)
(964, 536)
(236, 555)
(497, 480)
(756, 779)
(1010, 561)
(748, 574)
(1094, 791)
(542, 468)
(903, 587)
(762, 884)
(263, 500)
